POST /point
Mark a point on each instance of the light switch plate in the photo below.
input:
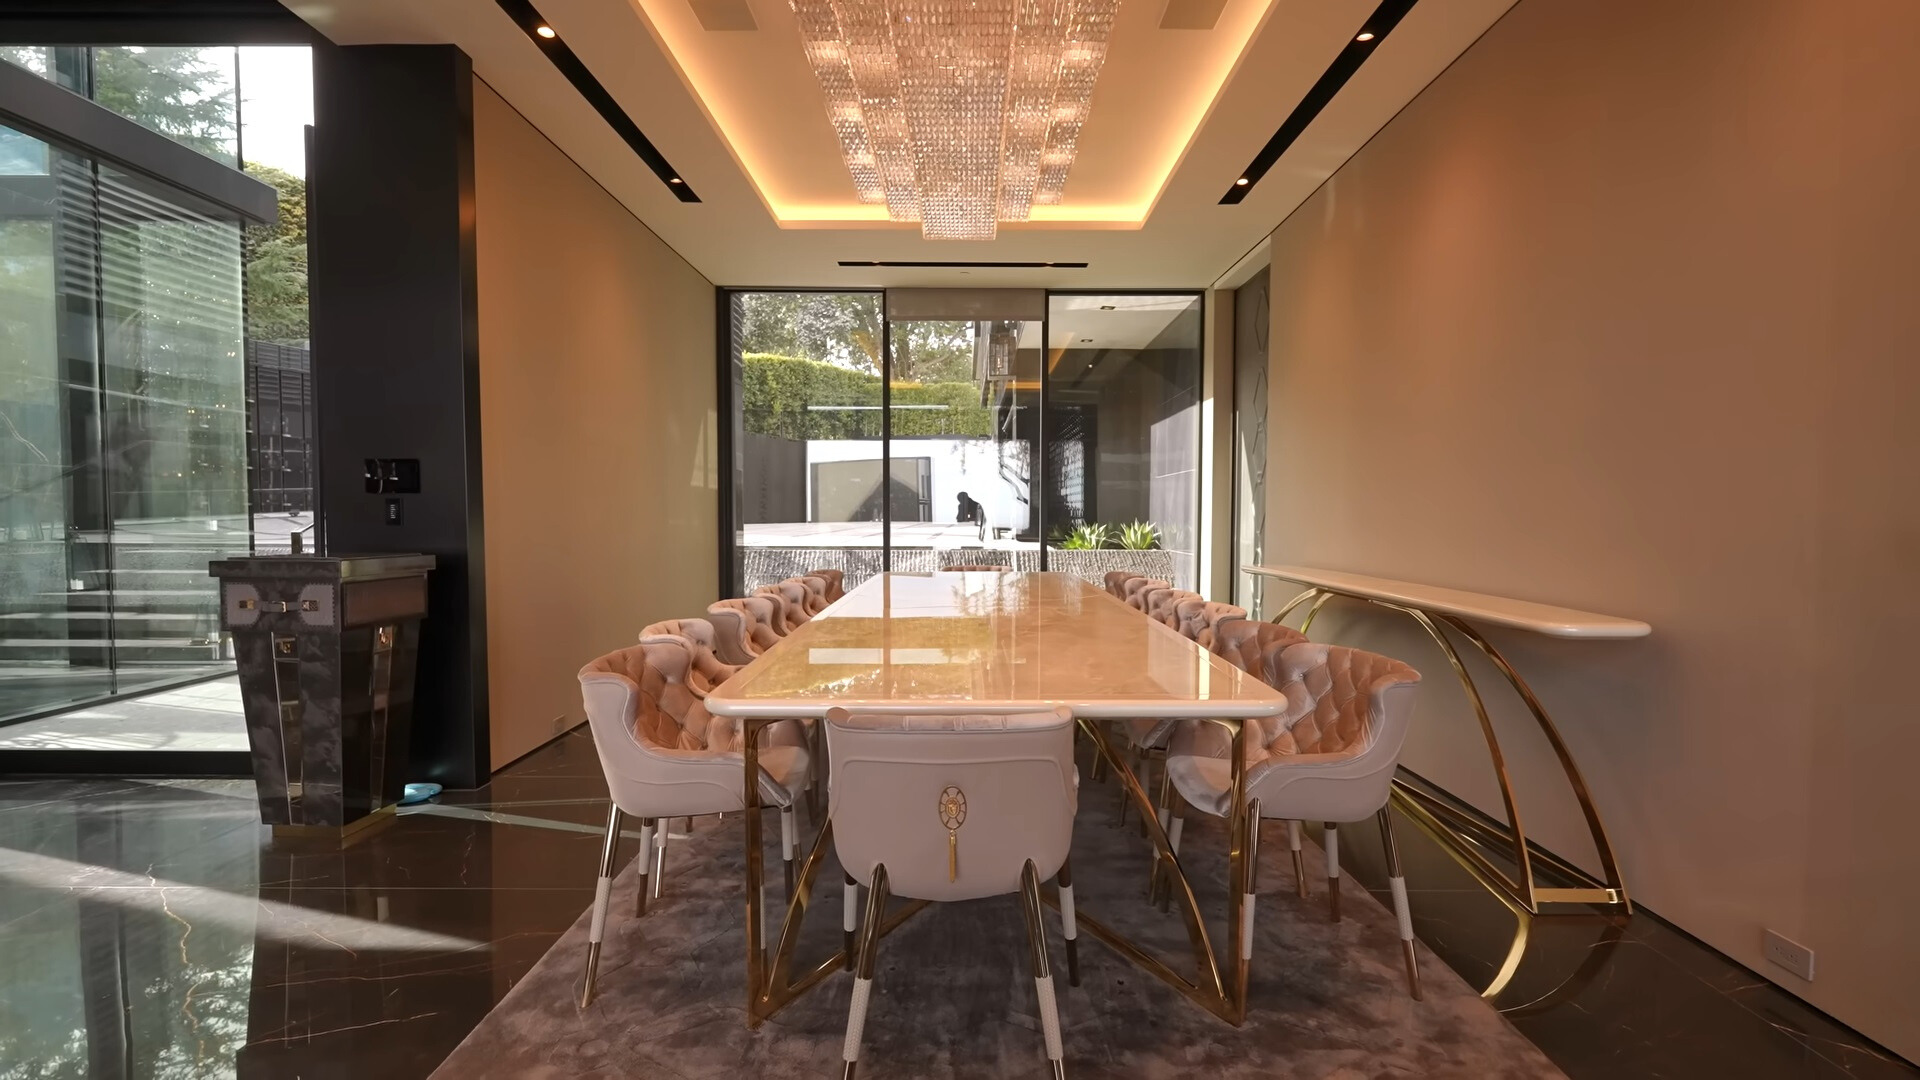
(1789, 954)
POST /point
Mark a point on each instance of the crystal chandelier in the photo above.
(958, 114)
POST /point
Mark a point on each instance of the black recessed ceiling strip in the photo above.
(562, 58)
(1379, 25)
(967, 265)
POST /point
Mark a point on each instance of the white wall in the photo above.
(596, 426)
(1621, 314)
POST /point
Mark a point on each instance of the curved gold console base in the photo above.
(1467, 839)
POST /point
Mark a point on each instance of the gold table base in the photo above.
(772, 984)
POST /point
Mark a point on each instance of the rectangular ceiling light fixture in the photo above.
(1364, 41)
(561, 57)
(958, 116)
(967, 265)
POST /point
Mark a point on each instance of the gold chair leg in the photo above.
(1042, 975)
(1069, 925)
(850, 920)
(642, 863)
(1332, 837)
(863, 974)
(1299, 860)
(1401, 912)
(602, 893)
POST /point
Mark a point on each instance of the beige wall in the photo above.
(596, 423)
(1621, 314)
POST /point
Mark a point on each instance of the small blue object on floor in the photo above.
(414, 794)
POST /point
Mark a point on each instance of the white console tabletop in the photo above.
(1494, 610)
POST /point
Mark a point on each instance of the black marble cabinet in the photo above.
(326, 649)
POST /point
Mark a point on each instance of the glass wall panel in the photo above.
(1252, 316)
(54, 646)
(809, 444)
(154, 395)
(1123, 435)
(964, 398)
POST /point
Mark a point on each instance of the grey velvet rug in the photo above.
(954, 997)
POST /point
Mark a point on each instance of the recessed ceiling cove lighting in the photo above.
(958, 116)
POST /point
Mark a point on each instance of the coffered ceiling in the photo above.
(723, 90)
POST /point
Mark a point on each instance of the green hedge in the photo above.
(777, 393)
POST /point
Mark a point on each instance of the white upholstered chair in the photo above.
(665, 756)
(1330, 756)
(954, 807)
(743, 628)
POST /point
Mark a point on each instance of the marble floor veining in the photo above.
(152, 929)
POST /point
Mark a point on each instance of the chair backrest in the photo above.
(648, 727)
(1254, 646)
(982, 567)
(1163, 605)
(893, 777)
(742, 628)
(707, 669)
(1200, 619)
(836, 583)
(1117, 583)
(1137, 590)
(814, 599)
(790, 605)
(1347, 716)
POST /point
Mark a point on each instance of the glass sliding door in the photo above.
(1123, 434)
(808, 446)
(963, 427)
(922, 429)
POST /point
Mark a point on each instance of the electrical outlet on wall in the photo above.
(1788, 954)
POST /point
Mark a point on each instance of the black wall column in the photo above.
(396, 355)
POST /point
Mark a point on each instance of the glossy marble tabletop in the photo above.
(939, 642)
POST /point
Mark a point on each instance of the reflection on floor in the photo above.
(202, 716)
(169, 937)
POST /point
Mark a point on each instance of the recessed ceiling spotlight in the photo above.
(544, 31)
(1086, 341)
(1365, 35)
(1106, 307)
(675, 180)
(1242, 182)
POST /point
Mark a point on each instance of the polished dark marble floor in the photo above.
(153, 929)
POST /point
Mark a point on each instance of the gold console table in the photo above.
(1468, 836)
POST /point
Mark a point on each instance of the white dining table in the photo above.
(999, 642)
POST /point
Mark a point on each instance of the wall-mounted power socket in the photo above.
(1788, 954)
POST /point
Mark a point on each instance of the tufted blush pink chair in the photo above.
(1163, 605)
(1137, 590)
(707, 670)
(1330, 756)
(836, 582)
(665, 756)
(1117, 583)
(816, 600)
(790, 605)
(742, 628)
(1200, 619)
(896, 782)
